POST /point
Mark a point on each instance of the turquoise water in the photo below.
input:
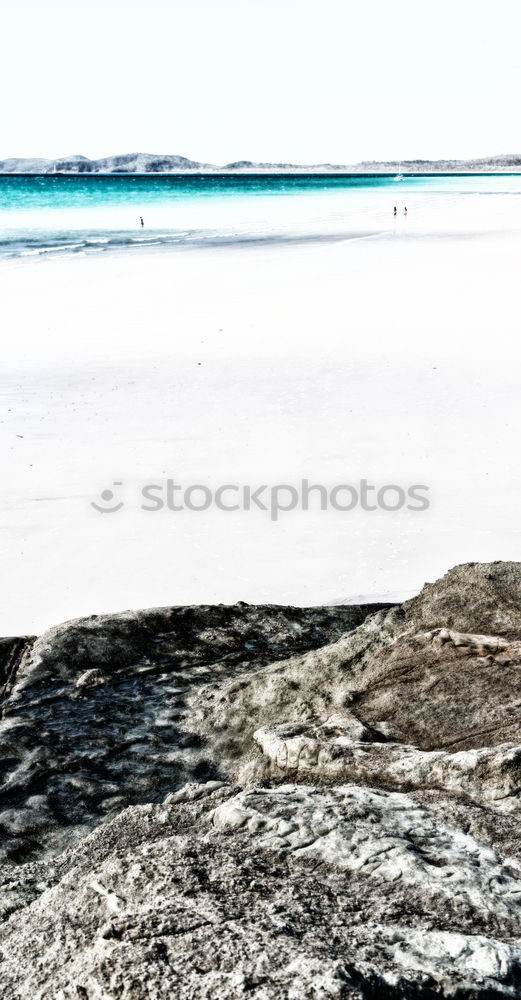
(73, 214)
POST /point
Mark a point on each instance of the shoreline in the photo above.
(264, 173)
(46, 217)
(397, 170)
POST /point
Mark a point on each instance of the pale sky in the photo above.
(289, 80)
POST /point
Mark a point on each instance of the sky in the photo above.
(278, 80)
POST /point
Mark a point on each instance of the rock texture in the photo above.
(97, 715)
(217, 802)
(490, 775)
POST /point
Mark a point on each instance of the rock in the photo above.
(10, 652)
(473, 597)
(437, 688)
(275, 802)
(481, 962)
(383, 835)
(91, 678)
(96, 709)
(491, 775)
(166, 904)
(193, 791)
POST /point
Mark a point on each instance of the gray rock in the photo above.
(162, 902)
(96, 711)
(490, 775)
(284, 803)
(383, 835)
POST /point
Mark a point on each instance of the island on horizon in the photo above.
(148, 163)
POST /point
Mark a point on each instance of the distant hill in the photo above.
(148, 163)
(504, 163)
(127, 163)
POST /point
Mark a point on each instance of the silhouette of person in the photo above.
(405, 210)
(395, 210)
(141, 221)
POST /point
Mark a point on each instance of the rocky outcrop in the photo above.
(286, 803)
(97, 714)
(223, 895)
(490, 775)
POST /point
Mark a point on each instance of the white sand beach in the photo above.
(391, 358)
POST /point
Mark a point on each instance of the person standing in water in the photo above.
(142, 223)
(405, 210)
(395, 210)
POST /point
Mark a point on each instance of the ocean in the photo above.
(86, 215)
